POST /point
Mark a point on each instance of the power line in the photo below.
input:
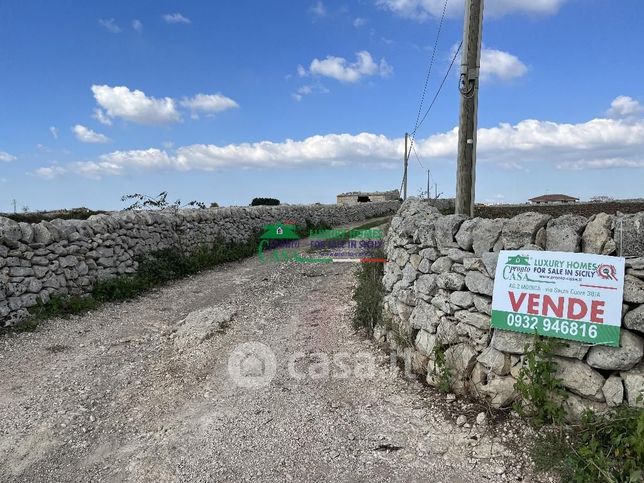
(413, 148)
(421, 164)
(441, 86)
(420, 121)
(429, 108)
(429, 71)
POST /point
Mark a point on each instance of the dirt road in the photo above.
(117, 395)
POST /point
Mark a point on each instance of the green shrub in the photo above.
(154, 269)
(368, 296)
(542, 394)
(607, 448)
(264, 202)
(441, 373)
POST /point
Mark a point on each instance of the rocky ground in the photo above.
(155, 389)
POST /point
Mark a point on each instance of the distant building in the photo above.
(558, 198)
(355, 197)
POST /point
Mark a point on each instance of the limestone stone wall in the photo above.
(439, 282)
(40, 260)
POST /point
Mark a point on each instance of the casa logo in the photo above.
(280, 231)
(517, 268)
(607, 272)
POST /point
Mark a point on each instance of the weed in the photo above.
(606, 448)
(401, 338)
(440, 372)
(542, 394)
(368, 295)
(154, 269)
(347, 234)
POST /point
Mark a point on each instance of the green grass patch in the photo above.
(541, 393)
(373, 223)
(154, 269)
(441, 373)
(604, 448)
(368, 295)
(346, 234)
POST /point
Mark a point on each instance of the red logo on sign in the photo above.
(607, 272)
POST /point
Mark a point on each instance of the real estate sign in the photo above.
(576, 296)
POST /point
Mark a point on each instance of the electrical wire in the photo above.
(440, 87)
(413, 148)
(421, 165)
(429, 70)
(429, 108)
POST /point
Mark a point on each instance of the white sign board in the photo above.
(575, 296)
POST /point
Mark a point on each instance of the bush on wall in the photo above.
(264, 202)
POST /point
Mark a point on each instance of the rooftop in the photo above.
(395, 193)
(553, 197)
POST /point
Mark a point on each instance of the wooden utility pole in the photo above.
(469, 87)
(406, 162)
(427, 185)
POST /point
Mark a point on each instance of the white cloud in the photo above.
(359, 22)
(137, 25)
(49, 172)
(319, 10)
(86, 135)
(208, 103)
(625, 107)
(6, 157)
(338, 68)
(501, 65)
(424, 9)
(602, 164)
(116, 162)
(134, 105)
(176, 18)
(101, 117)
(308, 89)
(54, 131)
(595, 144)
(110, 25)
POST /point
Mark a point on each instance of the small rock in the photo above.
(461, 420)
(481, 418)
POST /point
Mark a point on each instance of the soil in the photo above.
(112, 396)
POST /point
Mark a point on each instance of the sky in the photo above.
(224, 101)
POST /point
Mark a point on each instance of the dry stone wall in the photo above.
(439, 283)
(38, 261)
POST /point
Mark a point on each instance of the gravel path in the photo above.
(120, 395)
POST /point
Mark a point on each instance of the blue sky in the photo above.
(300, 100)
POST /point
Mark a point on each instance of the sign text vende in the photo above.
(574, 296)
